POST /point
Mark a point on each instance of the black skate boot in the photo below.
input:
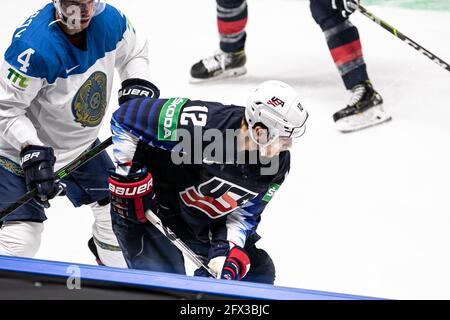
(220, 65)
(364, 110)
(93, 248)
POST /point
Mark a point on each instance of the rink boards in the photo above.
(38, 279)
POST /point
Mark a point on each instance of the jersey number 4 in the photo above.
(24, 59)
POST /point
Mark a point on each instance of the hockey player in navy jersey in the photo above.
(365, 106)
(208, 170)
(55, 85)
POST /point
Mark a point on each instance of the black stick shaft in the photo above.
(404, 38)
(60, 174)
(177, 242)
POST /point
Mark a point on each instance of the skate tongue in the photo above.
(357, 94)
(215, 62)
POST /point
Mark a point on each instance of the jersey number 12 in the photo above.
(198, 115)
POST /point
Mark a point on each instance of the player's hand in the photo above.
(132, 195)
(137, 88)
(346, 7)
(228, 261)
(37, 163)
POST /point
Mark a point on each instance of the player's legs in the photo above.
(343, 41)
(145, 248)
(88, 185)
(365, 107)
(108, 250)
(20, 238)
(230, 60)
(20, 233)
(231, 23)
(262, 268)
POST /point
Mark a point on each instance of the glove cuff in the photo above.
(32, 154)
(131, 190)
(238, 257)
(137, 88)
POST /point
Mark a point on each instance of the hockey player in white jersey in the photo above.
(55, 85)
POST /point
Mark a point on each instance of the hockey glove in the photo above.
(132, 195)
(229, 264)
(346, 7)
(137, 88)
(37, 163)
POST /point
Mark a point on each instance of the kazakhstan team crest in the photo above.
(89, 104)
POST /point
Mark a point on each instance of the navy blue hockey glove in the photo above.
(132, 195)
(37, 163)
(137, 88)
(229, 264)
(345, 7)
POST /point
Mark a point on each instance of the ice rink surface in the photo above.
(366, 213)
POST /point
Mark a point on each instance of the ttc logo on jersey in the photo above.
(216, 197)
(17, 80)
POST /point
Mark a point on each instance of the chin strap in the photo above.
(261, 146)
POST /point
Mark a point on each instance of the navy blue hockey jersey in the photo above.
(206, 187)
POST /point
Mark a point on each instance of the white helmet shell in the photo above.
(276, 105)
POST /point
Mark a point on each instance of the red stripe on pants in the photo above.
(231, 27)
(347, 52)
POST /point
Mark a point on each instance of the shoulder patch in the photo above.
(18, 80)
(271, 192)
(168, 119)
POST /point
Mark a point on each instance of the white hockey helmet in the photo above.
(70, 12)
(277, 106)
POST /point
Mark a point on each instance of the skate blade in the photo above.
(232, 73)
(366, 119)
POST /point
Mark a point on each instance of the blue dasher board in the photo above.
(37, 279)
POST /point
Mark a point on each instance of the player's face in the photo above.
(78, 12)
(280, 144)
(271, 145)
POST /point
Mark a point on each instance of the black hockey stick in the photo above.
(177, 242)
(404, 38)
(60, 174)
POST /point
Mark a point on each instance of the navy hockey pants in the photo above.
(86, 185)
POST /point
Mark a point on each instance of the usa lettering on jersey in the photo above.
(216, 197)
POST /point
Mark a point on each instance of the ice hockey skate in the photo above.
(365, 109)
(219, 66)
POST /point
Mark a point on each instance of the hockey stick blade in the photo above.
(177, 242)
(404, 38)
(60, 174)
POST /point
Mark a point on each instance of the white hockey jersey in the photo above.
(55, 94)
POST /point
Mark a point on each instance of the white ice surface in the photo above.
(364, 213)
